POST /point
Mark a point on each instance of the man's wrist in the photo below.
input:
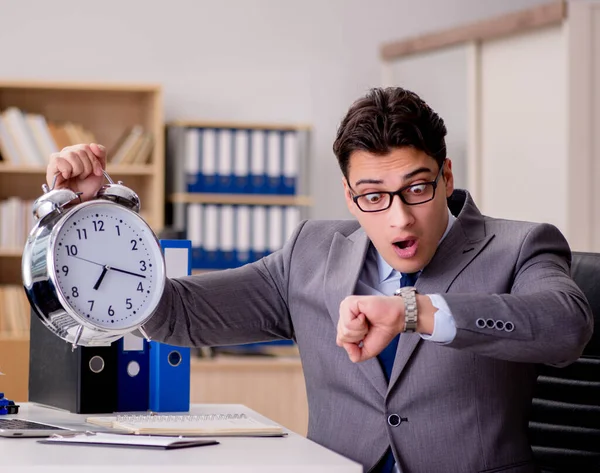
(426, 320)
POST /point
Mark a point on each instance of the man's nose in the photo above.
(399, 214)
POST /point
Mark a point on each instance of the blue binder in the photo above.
(133, 374)
(170, 364)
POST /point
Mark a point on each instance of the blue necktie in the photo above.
(386, 359)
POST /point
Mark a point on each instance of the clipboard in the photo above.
(124, 440)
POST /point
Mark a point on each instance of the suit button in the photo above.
(394, 420)
(489, 323)
(509, 326)
(480, 323)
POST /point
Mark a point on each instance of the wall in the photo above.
(248, 60)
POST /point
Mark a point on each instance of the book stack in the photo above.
(28, 139)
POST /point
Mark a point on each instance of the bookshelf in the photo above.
(106, 111)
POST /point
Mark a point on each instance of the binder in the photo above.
(209, 160)
(82, 381)
(241, 162)
(227, 237)
(274, 163)
(259, 232)
(276, 230)
(257, 162)
(224, 161)
(170, 364)
(193, 171)
(290, 163)
(133, 373)
(210, 237)
(194, 226)
(242, 234)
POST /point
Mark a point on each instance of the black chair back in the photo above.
(565, 422)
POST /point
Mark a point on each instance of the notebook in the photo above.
(189, 425)
(120, 440)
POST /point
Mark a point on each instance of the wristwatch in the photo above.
(408, 294)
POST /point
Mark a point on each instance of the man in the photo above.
(493, 298)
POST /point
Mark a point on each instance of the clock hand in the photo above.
(126, 272)
(89, 261)
(104, 270)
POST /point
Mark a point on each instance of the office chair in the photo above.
(564, 427)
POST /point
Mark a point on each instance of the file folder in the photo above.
(82, 381)
(133, 373)
(170, 364)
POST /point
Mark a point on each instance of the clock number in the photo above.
(118, 230)
(75, 291)
(91, 305)
(98, 225)
(65, 269)
(140, 288)
(111, 312)
(133, 245)
(82, 232)
(142, 265)
(128, 303)
(71, 250)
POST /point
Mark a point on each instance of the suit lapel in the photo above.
(344, 265)
(465, 240)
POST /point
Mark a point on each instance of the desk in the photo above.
(289, 454)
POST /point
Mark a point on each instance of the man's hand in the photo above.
(79, 168)
(368, 324)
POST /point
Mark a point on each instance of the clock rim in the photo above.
(50, 264)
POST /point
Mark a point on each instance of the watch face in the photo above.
(107, 265)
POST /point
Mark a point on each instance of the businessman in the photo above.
(419, 323)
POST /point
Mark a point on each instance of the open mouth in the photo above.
(406, 248)
(405, 244)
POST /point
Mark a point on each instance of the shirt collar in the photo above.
(386, 271)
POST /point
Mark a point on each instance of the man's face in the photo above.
(406, 236)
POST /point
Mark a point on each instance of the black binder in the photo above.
(83, 381)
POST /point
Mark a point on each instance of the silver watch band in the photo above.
(408, 295)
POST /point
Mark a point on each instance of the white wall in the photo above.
(244, 60)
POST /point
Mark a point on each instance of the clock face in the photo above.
(107, 265)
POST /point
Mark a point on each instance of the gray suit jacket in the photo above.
(465, 404)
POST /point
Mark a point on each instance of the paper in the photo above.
(212, 425)
(123, 440)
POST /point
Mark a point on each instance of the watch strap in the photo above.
(408, 294)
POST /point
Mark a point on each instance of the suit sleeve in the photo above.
(234, 306)
(544, 319)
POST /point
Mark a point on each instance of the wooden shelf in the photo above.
(124, 170)
(105, 109)
(239, 199)
(11, 252)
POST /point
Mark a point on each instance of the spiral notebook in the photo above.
(189, 425)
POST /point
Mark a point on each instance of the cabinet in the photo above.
(519, 95)
(273, 386)
(106, 110)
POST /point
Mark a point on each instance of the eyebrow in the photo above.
(406, 177)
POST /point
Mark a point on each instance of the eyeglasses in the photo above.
(413, 194)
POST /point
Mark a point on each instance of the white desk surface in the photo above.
(292, 453)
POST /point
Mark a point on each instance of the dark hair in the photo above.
(389, 118)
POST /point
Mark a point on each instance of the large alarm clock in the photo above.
(92, 271)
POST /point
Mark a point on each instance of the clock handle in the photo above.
(110, 181)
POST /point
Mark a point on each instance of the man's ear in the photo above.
(448, 177)
(348, 196)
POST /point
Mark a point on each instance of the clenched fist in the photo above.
(79, 168)
(367, 324)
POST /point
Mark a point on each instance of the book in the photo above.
(120, 440)
(214, 425)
